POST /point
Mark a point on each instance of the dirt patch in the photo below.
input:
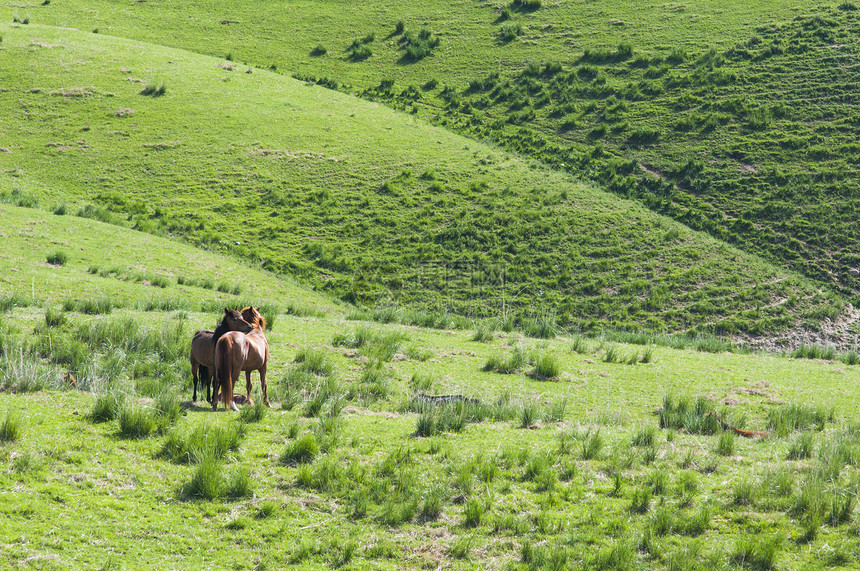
(355, 411)
(842, 333)
(759, 389)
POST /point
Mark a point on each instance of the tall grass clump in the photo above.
(645, 436)
(107, 406)
(99, 306)
(745, 492)
(167, 409)
(154, 88)
(418, 46)
(580, 345)
(483, 334)
(207, 482)
(239, 484)
(10, 301)
(612, 355)
(23, 372)
(314, 361)
(526, 5)
(814, 352)
(530, 415)
(254, 413)
(183, 445)
(802, 446)
(58, 258)
(55, 317)
(509, 32)
(136, 421)
(592, 445)
(760, 553)
(695, 416)
(541, 327)
(546, 367)
(791, 417)
(620, 555)
(447, 417)
(358, 338)
(725, 444)
(17, 197)
(510, 365)
(473, 512)
(12, 428)
(300, 451)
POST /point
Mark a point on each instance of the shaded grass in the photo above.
(12, 427)
(192, 445)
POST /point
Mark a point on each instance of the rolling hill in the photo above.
(366, 203)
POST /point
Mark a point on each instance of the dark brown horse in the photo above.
(236, 352)
(203, 347)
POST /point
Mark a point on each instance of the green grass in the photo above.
(11, 429)
(609, 467)
(607, 280)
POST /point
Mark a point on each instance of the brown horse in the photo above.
(236, 352)
(203, 347)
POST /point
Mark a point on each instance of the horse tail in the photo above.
(223, 373)
(205, 381)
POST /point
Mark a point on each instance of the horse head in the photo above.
(252, 315)
(235, 321)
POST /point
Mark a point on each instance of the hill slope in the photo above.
(559, 462)
(369, 204)
(130, 269)
(735, 119)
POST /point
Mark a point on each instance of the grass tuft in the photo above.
(12, 428)
(58, 258)
(301, 451)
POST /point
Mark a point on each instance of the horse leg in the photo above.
(248, 386)
(216, 387)
(264, 387)
(228, 390)
(205, 380)
(194, 376)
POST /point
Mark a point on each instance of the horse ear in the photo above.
(226, 311)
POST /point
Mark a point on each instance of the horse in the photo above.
(236, 352)
(203, 347)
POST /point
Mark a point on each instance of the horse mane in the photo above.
(252, 316)
(221, 329)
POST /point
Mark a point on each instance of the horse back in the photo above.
(258, 350)
(202, 349)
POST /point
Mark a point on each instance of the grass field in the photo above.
(497, 246)
(735, 119)
(562, 461)
(367, 204)
(574, 471)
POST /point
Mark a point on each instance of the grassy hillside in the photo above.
(563, 463)
(367, 203)
(49, 260)
(270, 33)
(144, 187)
(754, 144)
(735, 119)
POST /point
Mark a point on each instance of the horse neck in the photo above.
(219, 331)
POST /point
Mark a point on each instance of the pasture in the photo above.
(562, 461)
(363, 202)
(518, 262)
